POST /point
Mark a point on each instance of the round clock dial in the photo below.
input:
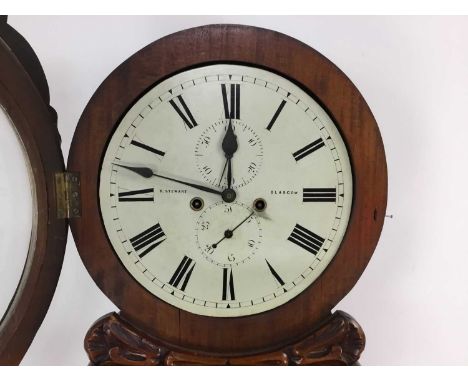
(226, 190)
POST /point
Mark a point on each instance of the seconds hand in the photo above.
(228, 233)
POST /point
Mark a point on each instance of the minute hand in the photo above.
(146, 172)
(229, 146)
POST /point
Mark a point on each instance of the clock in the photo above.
(233, 189)
(199, 136)
(32, 235)
(226, 188)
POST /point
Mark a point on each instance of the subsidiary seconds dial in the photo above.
(228, 234)
(226, 190)
(209, 154)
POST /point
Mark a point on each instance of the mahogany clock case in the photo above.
(318, 76)
(24, 95)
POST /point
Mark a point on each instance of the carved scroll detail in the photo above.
(339, 341)
(112, 341)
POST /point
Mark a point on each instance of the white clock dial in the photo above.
(16, 204)
(226, 190)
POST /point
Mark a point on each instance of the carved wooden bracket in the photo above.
(339, 340)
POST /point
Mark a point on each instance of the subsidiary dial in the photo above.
(228, 234)
(229, 154)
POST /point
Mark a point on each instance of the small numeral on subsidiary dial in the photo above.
(228, 284)
(148, 240)
(231, 105)
(306, 239)
(319, 195)
(145, 195)
(182, 274)
(309, 149)
(185, 114)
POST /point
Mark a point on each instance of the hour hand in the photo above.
(229, 173)
(229, 144)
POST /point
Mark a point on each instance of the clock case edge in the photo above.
(24, 93)
(334, 91)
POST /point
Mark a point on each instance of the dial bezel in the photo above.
(316, 75)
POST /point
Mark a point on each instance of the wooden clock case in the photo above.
(303, 331)
(24, 94)
(149, 331)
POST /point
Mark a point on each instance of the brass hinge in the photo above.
(68, 195)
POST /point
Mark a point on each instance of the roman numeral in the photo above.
(306, 239)
(274, 273)
(319, 195)
(228, 284)
(147, 148)
(232, 107)
(185, 114)
(309, 149)
(146, 195)
(275, 116)
(148, 239)
(182, 274)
